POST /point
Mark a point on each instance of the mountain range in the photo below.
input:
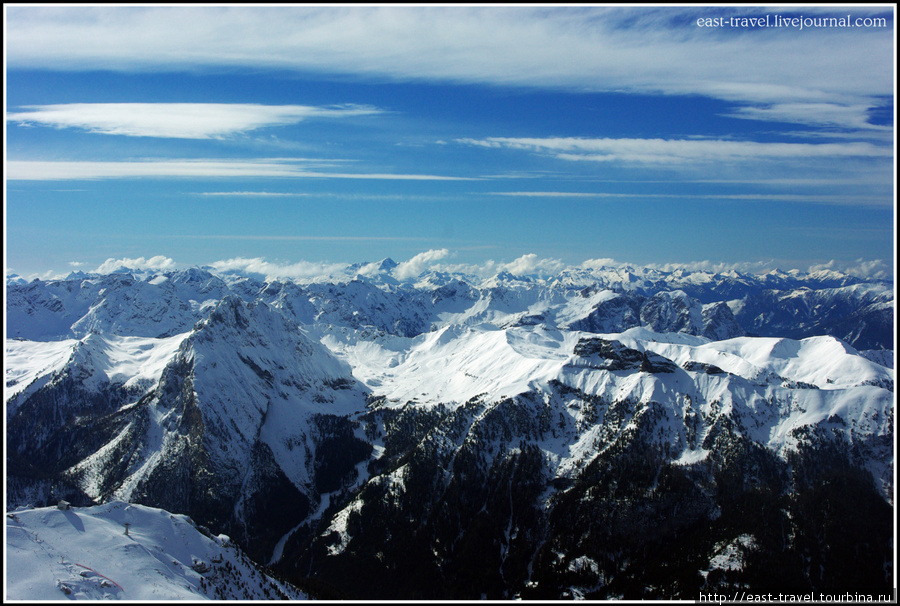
(716, 305)
(603, 433)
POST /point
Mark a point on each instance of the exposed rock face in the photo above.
(719, 322)
(612, 315)
(465, 503)
(673, 312)
(613, 355)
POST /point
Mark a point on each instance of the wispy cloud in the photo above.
(250, 194)
(330, 195)
(831, 199)
(296, 238)
(177, 120)
(40, 170)
(854, 115)
(644, 50)
(676, 151)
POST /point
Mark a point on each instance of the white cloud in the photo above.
(875, 269)
(419, 263)
(677, 151)
(712, 267)
(159, 262)
(47, 275)
(645, 50)
(815, 114)
(370, 269)
(600, 263)
(39, 170)
(177, 120)
(273, 271)
(530, 264)
(527, 264)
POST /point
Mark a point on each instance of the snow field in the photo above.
(84, 553)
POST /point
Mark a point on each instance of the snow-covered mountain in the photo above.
(127, 552)
(600, 433)
(155, 305)
(774, 304)
(212, 422)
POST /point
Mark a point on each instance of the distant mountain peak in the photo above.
(387, 264)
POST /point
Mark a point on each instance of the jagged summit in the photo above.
(387, 264)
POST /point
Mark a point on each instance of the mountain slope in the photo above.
(572, 483)
(85, 553)
(486, 519)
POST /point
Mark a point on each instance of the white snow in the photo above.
(578, 308)
(339, 526)
(770, 384)
(731, 556)
(139, 360)
(690, 457)
(28, 361)
(455, 364)
(84, 553)
(134, 362)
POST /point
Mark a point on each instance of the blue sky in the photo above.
(527, 138)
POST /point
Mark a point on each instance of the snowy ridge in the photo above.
(85, 554)
(158, 305)
(254, 379)
(774, 386)
(133, 364)
(29, 361)
(716, 305)
(258, 374)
